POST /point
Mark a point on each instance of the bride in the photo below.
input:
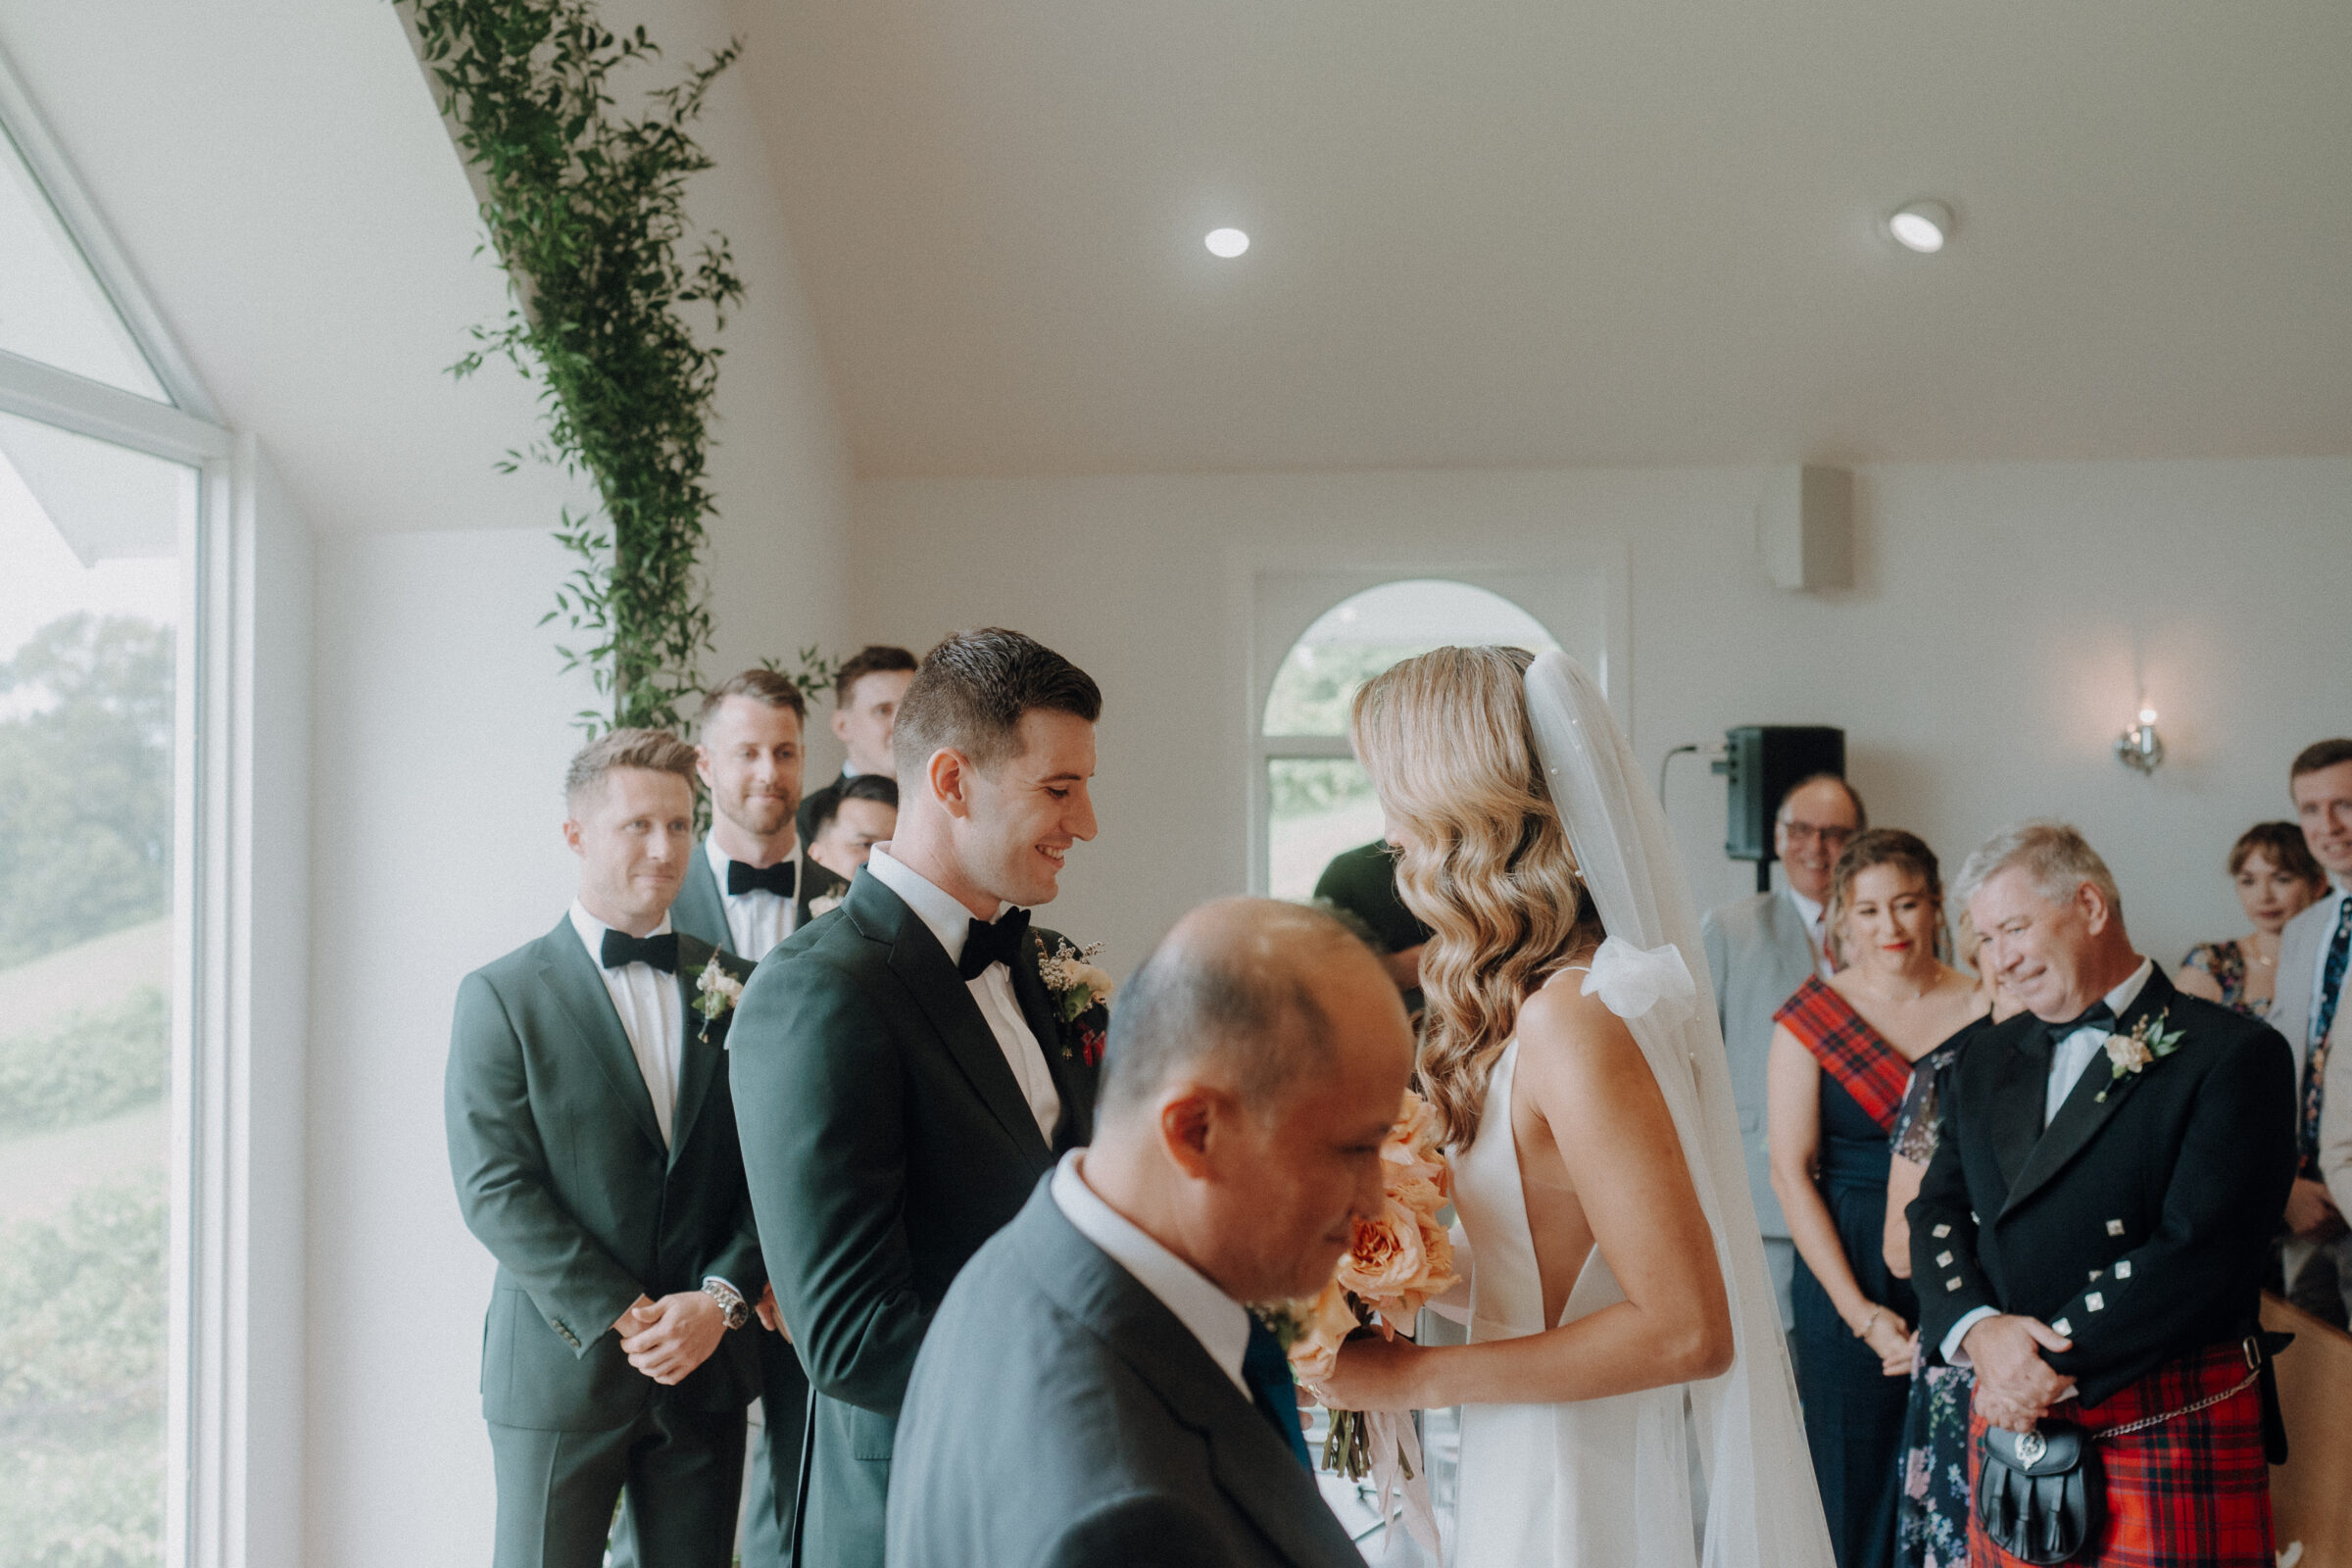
(1619, 1305)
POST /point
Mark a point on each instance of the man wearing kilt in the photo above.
(2091, 1233)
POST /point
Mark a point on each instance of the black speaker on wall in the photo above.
(1760, 762)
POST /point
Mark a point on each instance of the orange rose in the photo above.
(1385, 1253)
(1326, 1323)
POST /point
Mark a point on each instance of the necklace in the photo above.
(1892, 1001)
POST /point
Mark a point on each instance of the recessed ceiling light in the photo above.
(1227, 243)
(1922, 227)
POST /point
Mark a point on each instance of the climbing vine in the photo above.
(585, 207)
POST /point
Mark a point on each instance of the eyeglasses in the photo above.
(1832, 837)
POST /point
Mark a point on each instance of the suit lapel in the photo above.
(921, 965)
(699, 1055)
(700, 911)
(2019, 1092)
(815, 882)
(572, 975)
(1044, 1017)
(2092, 1101)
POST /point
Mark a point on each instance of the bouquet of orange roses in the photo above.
(1397, 1262)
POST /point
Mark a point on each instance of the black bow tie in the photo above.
(990, 943)
(2098, 1015)
(661, 950)
(742, 879)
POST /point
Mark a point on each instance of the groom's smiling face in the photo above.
(1021, 814)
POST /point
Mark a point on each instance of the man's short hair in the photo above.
(656, 751)
(864, 787)
(874, 658)
(2054, 856)
(1236, 1003)
(2318, 755)
(970, 693)
(767, 686)
(1854, 796)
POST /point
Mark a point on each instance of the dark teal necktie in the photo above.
(1267, 1371)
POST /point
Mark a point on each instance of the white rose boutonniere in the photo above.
(2149, 1041)
(824, 906)
(1081, 994)
(717, 992)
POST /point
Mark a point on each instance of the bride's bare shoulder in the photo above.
(1573, 1039)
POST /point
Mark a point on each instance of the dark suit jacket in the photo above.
(701, 912)
(561, 1173)
(885, 1139)
(2141, 1221)
(1062, 1415)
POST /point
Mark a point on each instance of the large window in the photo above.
(1319, 800)
(103, 481)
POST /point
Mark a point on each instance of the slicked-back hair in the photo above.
(1884, 846)
(761, 686)
(1254, 1011)
(970, 693)
(656, 751)
(864, 787)
(874, 658)
(1854, 796)
(2318, 755)
(2055, 856)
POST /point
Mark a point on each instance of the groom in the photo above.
(903, 1074)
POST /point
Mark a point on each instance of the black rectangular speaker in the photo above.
(1761, 762)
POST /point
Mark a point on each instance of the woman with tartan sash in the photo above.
(1841, 1064)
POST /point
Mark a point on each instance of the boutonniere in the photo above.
(1081, 995)
(2149, 1041)
(715, 993)
(824, 906)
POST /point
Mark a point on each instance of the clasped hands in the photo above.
(666, 1339)
(2015, 1386)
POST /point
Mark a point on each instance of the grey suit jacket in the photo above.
(2298, 968)
(700, 912)
(1061, 1416)
(1757, 953)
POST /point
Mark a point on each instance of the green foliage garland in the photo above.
(586, 208)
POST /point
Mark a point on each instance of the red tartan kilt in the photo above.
(2195, 1490)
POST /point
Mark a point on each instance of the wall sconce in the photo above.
(2141, 747)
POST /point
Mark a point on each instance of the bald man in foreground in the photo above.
(1093, 1391)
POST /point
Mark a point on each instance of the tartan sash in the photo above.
(1850, 1049)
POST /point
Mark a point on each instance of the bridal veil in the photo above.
(1763, 1510)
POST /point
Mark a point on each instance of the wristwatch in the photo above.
(731, 1300)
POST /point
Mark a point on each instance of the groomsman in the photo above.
(868, 690)
(593, 1143)
(863, 814)
(751, 881)
(2314, 953)
(2090, 1235)
(1759, 951)
(904, 1074)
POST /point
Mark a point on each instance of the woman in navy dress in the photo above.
(1841, 1066)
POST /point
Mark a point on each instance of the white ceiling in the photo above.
(1540, 233)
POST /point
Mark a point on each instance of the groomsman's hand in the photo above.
(668, 1339)
(771, 1316)
(2015, 1386)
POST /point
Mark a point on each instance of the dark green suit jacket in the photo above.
(885, 1139)
(700, 912)
(561, 1173)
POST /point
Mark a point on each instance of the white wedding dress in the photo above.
(1609, 1482)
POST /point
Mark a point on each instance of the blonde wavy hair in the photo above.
(1484, 861)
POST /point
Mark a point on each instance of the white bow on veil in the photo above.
(1763, 1509)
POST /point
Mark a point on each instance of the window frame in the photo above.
(209, 1164)
(1285, 603)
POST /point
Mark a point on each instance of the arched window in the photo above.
(1317, 799)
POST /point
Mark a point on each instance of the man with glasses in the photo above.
(1759, 949)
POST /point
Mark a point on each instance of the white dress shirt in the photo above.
(758, 919)
(951, 923)
(1219, 1322)
(653, 1013)
(2068, 1060)
(1816, 931)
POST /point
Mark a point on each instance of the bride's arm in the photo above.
(1587, 1079)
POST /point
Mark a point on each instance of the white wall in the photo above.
(2004, 620)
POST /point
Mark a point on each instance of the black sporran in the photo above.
(2040, 1493)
